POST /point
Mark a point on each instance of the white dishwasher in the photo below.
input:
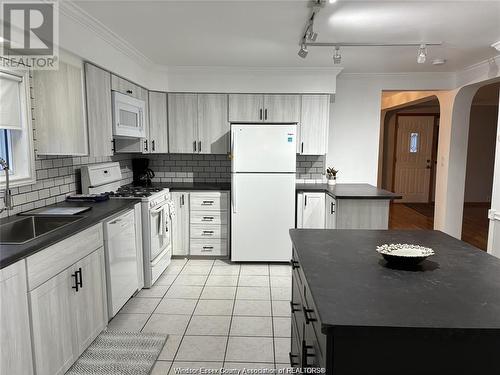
(121, 260)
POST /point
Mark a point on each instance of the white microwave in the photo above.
(128, 116)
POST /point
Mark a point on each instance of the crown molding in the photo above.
(69, 9)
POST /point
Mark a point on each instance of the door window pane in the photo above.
(413, 143)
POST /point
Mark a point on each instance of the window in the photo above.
(16, 134)
(413, 143)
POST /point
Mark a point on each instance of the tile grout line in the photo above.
(272, 315)
(232, 314)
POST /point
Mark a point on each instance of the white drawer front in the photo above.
(198, 217)
(54, 259)
(208, 247)
(209, 231)
(209, 201)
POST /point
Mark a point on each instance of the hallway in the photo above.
(420, 216)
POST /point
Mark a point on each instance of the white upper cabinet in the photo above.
(59, 111)
(158, 129)
(99, 118)
(213, 126)
(246, 108)
(182, 121)
(282, 108)
(264, 108)
(314, 123)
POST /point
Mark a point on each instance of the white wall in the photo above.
(353, 146)
(481, 153)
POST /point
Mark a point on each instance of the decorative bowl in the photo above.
(404, 254)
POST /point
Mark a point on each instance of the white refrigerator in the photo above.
(262, 191)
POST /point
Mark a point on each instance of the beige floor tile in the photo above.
(176, 306)
(281, 349)
(252, 308)
(248, 366)
(253, 280)
(218, 292)
(140, 305)
(200, 262)
(280, 270)
(169, 324)
(184, 291)
(281, 308)
(128, 322)
(196, 270)
(251, 326)
(214, 307)
(222, 280)
(161, 368)
(250, 349)
(282, 327)
(170, 348)
(202, 348)
(183, 279)
(156, 291)
(254, 269)
(225, 271)
(225, 262)
(281, 282)
(173, 270)
(281, 294)
(253, 293)
(205, 325)
(166, 280)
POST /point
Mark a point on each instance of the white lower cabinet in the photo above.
(311, 210)
(15, 340)
(330, 212)
(68, 307)
(180, 223)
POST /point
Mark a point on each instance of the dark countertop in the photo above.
(11, 253)
(193, 186)
(348, 191)
(351, 285)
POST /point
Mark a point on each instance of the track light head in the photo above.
(303, 51)
(337, 57)
(422, 54)
(311, 35)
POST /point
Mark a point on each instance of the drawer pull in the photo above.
(207, 203)
(78, 284)
(291, 357)
(306, 354)
(208, 232)
(295, 264)
(207, 248)
(208, 218)
(306, 315)
(292, 309)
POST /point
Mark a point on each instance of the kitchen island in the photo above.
(352, 313)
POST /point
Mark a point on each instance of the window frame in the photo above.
(22, 149)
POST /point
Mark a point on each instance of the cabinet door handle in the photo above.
(306, 315)
(302, 147)
(332, 208)
(129, 91)
(305, 200)
(199, 146)
(207, 248)
(153, 145)
(265, 114)
(207, 218)
(291, 357)
(292, 309)
(182, 200)
(194, 146)
(207, 203)
(145, 145)
(113, 145)
(81, 277)
(306, 354)
(75, 275)
(207, 232)
(294, 264)
(260, 114)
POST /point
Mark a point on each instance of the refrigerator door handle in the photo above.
(233, 194)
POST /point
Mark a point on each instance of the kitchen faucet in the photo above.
(7, 198)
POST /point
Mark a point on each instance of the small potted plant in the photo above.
(331, 174)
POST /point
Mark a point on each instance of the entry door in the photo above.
(414, 158)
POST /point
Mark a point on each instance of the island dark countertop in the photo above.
(351, 285)
(11, 253)
(348, 191)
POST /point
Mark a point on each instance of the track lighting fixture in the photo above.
(337, 57)
(310, 34)
(422, 54)
(303, 50)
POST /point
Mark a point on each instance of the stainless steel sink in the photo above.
(28, 228)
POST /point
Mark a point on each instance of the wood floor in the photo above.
(475, 222)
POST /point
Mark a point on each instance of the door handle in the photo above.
(207, 218)
(199, 146)
(306, 315)
(113, 145)
(292, 309)
(305, 200)
(205, 203)
(302, 147)
(75, 275)
(265, 114)
(291, 357)
(194, 146)
(332, 210)
(153, 145)
(182, 200)
(260, 114)
(81, 277)
(294, 264)
(145, 145)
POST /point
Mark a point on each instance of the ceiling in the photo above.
(266, 33)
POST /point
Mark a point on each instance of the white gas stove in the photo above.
(157, 211)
